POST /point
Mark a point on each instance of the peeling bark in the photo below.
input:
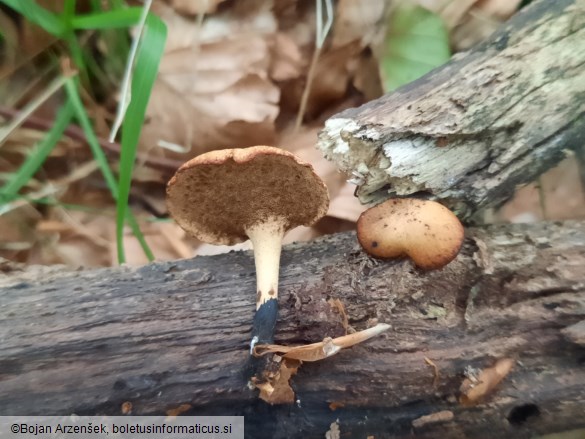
(470, 132)
(175, 334)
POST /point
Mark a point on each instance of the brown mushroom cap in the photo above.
(426, 231)
(218, 195)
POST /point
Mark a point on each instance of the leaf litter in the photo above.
(232, 76)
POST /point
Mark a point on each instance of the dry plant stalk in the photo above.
(322, 31)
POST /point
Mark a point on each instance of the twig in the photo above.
(74, 132)
(23, 114)
(321, 34)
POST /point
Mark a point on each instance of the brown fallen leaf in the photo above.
(193, 7)
(471, 21)
(334, 70)
(501, 9)
(481, 21)
(451, 12)
(276, 389)
(275, 386)
(213, 89)
(324, 349)
(476, 388)
(563, 197)
(287, 62)
(359, 20)
(343, 204)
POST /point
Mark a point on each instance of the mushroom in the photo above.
(426, 231)
(259, 193)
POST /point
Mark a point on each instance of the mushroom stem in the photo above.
(266, 239)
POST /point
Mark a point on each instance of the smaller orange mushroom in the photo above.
(426, 231)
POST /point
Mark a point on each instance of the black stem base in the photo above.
(264, 322)
(262, 333)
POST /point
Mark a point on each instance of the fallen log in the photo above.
(174, 335)
(471, 131)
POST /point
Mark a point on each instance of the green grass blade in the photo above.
(81, 115)
(68, 11)
(77, 55)
(75, 50)
(38, 15)
(37, 157)
(96, 5)
(108, 20)
(144, 74)
(139, 236)
(100, 157)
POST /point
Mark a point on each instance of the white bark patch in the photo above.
(426, 165)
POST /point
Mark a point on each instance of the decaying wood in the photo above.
(471, 131)
(174, 336)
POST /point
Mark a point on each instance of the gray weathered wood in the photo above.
(470, 132)
(176, 333)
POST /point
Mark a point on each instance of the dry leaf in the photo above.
(562, 192)
(84, 242)
(213, 90)
(175, 236)
(335, 68)
(193, 7)
(480, 21)
(452, 12)
(471, 21)
(359, 20)
(17, 237)
(368, 77)
(343, 204)
(474, 389)
(277, 389)
(287, 61)
(319, 351)
(501, 9)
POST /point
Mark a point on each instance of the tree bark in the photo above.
(176, 333)
(471, 131)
